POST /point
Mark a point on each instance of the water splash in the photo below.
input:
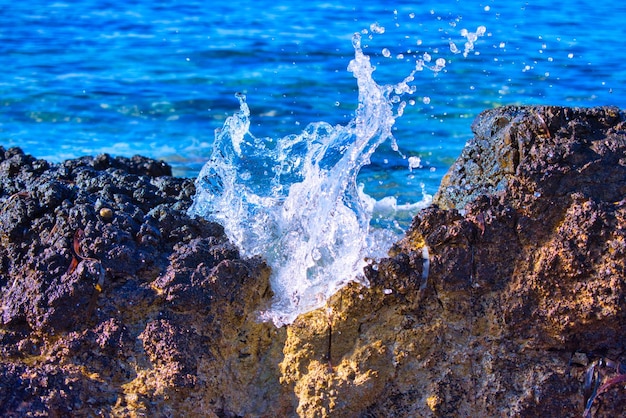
(296, 201)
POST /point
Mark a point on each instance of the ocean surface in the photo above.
(158, 78)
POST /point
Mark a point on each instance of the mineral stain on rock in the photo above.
(149, 312)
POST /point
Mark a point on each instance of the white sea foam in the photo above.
(295, 200)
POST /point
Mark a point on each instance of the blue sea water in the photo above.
(157, 78)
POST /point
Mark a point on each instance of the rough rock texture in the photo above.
(115, 302)
(501, 300)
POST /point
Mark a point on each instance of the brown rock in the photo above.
(528, 272)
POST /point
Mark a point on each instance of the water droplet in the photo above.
(376, 28)
(426, 100)
(316, 254)
(386, 53)
(414, 162)
(471, 38)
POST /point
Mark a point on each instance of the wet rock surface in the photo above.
(505, 298)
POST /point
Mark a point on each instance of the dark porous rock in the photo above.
(530, 151)
(507, 297)
(114, 302)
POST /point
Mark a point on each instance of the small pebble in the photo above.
(106, 214)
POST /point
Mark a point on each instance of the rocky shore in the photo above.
(113, 302)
